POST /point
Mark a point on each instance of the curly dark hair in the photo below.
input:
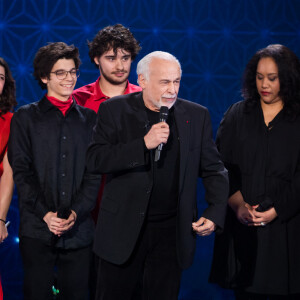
(113, 37)
(288, 65)
(8, 96)
(48, 55)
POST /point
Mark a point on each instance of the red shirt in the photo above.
(91, 96)
(4, 135)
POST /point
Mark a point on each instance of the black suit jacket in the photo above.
(118, 149)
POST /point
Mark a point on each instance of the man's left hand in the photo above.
(204, 227)
(67, 224)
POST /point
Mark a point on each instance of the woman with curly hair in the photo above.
(7, 102)
(257, 255)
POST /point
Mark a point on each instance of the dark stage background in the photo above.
(213, 39)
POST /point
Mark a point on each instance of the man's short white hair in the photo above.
(143, 64)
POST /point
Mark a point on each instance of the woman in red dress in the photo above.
(7, 102)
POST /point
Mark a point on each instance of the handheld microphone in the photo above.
(163, 116)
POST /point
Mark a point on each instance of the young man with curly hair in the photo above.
(112, 50)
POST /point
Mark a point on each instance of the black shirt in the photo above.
(164, 196)
(47, 154)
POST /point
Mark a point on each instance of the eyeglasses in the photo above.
(62, 74)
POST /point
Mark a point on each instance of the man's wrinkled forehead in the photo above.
(163, 67)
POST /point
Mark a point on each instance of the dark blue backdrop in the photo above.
(213, 39)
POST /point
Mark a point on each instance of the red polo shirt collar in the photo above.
(98, 95)
(91, 96)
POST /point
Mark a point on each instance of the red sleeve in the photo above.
(4, 135)
(1, 292)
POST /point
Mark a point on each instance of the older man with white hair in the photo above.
(148, 217)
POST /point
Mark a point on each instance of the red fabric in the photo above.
(4, 135)
(91, 96)
(95, 211)
(1, 291)
(63, 106)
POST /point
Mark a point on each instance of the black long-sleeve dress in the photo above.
(264, 164)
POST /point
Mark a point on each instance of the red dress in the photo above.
(4, 134)
(1, 292)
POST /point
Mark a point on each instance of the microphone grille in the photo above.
(164, 112)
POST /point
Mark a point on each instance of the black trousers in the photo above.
(154, 258)
(242, 295)
(39, 261)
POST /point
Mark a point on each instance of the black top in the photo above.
(264, 164)
(47, 154)
(164, 197)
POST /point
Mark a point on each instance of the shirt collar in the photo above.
(45, 105)
(98, 94)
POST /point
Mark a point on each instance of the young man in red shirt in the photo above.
(112, 50)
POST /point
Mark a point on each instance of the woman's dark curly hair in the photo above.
(48, 55)
(8, 96)
(113, 37)
(288, 66)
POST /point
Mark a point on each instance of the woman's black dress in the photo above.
(264, 164)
